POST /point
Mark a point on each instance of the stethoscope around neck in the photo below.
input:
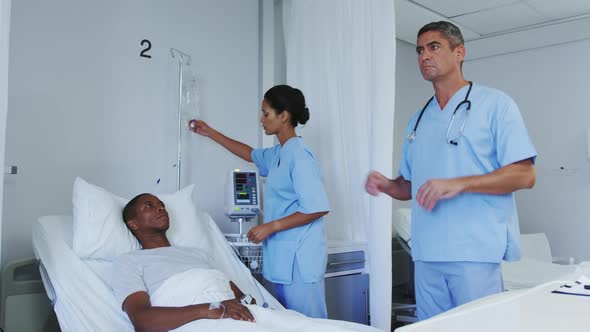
(455, 140)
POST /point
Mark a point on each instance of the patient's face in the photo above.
(151, 214)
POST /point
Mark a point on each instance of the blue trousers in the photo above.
(441, 286)
(304, 297)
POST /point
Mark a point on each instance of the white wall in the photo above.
(550, 85)
(4, 37)
(83, 103)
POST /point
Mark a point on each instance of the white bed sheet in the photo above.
(83, 299)
(529, 310)
(528, 273)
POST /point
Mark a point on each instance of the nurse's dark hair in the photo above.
(285, 98)
(451, 32)
(130, 211)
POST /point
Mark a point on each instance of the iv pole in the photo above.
(181, 58)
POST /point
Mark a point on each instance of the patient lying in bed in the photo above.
(162, 287)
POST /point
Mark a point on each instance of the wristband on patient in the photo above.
(246, 299)
(217, 305)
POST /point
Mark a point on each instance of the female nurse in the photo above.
(293, 235)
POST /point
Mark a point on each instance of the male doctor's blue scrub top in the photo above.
(458, 246)
(294, 260)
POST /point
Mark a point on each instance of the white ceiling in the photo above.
(549, 22)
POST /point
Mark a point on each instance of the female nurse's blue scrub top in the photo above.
(294, 184)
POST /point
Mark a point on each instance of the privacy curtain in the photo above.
(341, 54)
(4, 36)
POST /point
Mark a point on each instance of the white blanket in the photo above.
(528, 273)
(197, 286)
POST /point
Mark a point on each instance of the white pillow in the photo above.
(187, 227)
(99, 231)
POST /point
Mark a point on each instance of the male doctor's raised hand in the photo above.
(504, 180)
(428, 195)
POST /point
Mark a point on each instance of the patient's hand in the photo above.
(233, 309)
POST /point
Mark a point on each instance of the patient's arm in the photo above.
(238, 292)
(144, 317)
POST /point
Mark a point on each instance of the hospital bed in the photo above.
(536, 267)
(401, 226)
(79, 288)
(80, 291)
(534, 309)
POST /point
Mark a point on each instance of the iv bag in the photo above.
(190, 97)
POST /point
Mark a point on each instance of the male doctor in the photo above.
(466, 152)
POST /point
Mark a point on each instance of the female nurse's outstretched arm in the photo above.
(238, 148)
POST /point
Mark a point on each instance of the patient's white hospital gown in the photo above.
(145, 270)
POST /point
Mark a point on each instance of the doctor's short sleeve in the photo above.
(308, 184)
(513, 143)
(126, 278)
(263, 158)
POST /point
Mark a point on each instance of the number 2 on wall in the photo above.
(149, 47)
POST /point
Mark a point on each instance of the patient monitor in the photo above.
(242, 201)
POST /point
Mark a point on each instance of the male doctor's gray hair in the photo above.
(449, 30)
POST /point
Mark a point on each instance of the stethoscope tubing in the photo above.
(412, 136)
